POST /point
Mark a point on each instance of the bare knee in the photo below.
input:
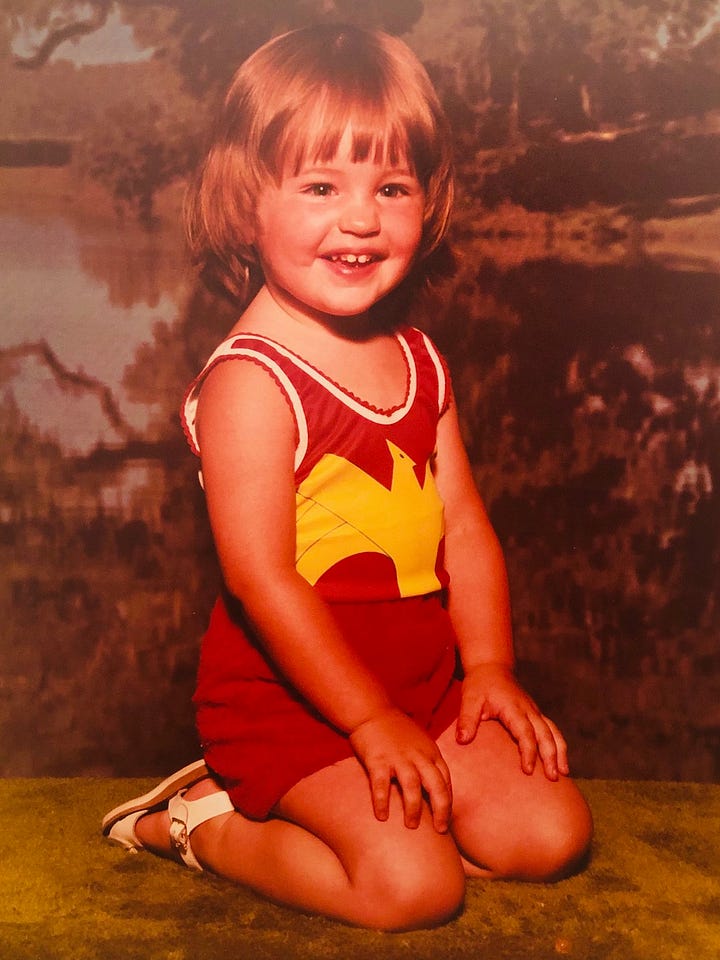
(556, 844)
(405, 895)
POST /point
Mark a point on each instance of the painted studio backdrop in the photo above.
(582, 327)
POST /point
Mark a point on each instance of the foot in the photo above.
(152, 827)
(168, 832)
(121, 824)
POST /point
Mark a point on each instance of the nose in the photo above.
(360, 217)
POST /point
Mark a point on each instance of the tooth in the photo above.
(351, 258)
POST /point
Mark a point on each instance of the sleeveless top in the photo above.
(369, 518)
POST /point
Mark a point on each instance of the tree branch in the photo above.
(69, 31)
(72, 380)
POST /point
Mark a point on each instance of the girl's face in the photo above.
(338, 236)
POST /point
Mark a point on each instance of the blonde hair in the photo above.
(291, 101)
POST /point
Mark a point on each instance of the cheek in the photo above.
(411, 230)
(288, 231)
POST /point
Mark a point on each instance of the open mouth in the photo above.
(352, 259)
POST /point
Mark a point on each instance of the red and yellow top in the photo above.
(369, 517)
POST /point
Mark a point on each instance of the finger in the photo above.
(410, 785)
(445, 772)
(547, 747)
(468, 721)
(439, 793)
(562, 748)
(380, 792)
(521, 729)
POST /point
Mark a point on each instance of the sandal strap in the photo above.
(186, 815)
(158, 796)
(123, 832)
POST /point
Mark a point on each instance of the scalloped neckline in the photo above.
(399, 339)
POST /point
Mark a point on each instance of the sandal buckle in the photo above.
(179, 835)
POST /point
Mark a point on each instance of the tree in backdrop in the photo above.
(518, 70)
(205, 41)
(141, 148)
(137, 149)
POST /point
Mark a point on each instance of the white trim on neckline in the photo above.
(363, 408)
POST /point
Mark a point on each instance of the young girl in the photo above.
(351, 767)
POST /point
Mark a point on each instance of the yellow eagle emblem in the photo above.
(343, 511)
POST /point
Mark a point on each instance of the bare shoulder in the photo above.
(241, 400)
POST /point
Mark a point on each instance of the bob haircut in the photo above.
(290, 103)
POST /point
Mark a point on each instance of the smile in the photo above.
(352, 259)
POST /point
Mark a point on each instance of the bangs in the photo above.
(311, 134)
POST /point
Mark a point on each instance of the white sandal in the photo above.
(185, 815)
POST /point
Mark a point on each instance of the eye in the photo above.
(319, 189)
(394, 190)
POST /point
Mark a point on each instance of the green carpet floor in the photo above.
(651, 892)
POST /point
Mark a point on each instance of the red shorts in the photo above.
(261, 738)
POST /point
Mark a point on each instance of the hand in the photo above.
(390, 747)
(491, 692)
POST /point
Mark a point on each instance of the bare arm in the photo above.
(247, 437)
(479, 606)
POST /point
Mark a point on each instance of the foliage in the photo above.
(205, 41)
(139, 149)
(519, 70)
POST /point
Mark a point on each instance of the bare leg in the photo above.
(508, 824)
(326, 853)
